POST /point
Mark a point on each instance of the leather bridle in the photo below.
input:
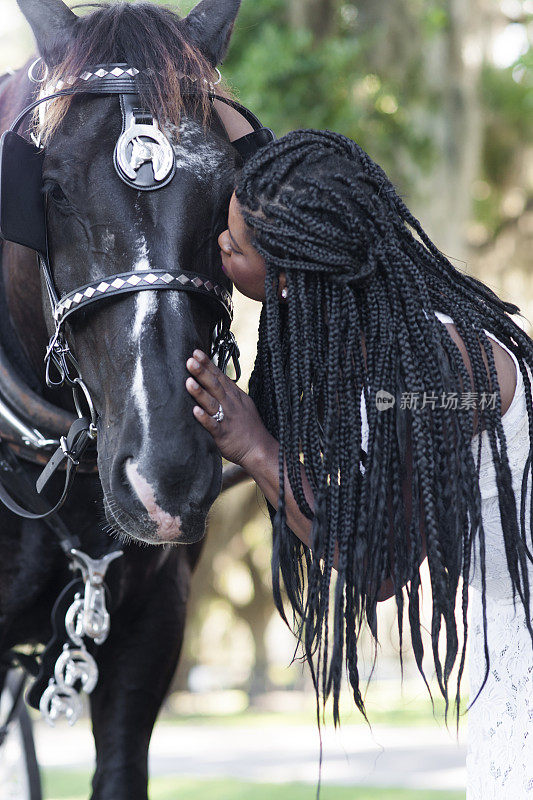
(139, 131)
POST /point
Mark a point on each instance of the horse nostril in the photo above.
(122, 473)
(194, 508)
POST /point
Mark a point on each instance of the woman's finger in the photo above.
(207, 377)
(207, 421)
(212, 369)
(203, 398)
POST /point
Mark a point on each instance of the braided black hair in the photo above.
(358, 264)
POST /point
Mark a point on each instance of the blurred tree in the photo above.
(318, 16)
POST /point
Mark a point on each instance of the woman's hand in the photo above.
(241, 434)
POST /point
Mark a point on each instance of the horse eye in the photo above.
(56, 194)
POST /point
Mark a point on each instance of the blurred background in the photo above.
(440, 93)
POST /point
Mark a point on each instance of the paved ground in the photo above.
(418, 758)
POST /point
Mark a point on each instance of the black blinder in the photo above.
(22, 211)
(248, 145)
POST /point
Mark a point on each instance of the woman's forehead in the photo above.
(236, 220)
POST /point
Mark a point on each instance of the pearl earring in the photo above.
(284, 293)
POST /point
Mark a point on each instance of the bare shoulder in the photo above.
(505, 366)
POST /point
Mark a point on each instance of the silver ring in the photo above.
(209, 83)
(31, 76)
(219, 416)
(93, 424)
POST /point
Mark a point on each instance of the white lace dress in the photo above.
(500, 721)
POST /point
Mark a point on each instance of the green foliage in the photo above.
(293, 81)
(508, 102)
(435, 17)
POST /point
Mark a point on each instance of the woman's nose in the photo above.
(223, 242)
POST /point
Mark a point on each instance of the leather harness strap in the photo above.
(14, 478)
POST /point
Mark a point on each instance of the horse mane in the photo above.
(175, 74)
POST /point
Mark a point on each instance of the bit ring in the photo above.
(31, 69)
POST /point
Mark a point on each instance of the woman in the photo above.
(366, 419)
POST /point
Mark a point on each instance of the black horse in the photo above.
(158, 470)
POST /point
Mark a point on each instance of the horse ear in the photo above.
(51, 22)
(210, 25)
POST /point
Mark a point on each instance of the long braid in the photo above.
(359, 265)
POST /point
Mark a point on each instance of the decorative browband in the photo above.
(114, 77)
(111, 71)
(138, 281)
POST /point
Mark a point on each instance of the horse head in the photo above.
(159, 469)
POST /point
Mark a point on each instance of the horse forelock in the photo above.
(151, 39)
